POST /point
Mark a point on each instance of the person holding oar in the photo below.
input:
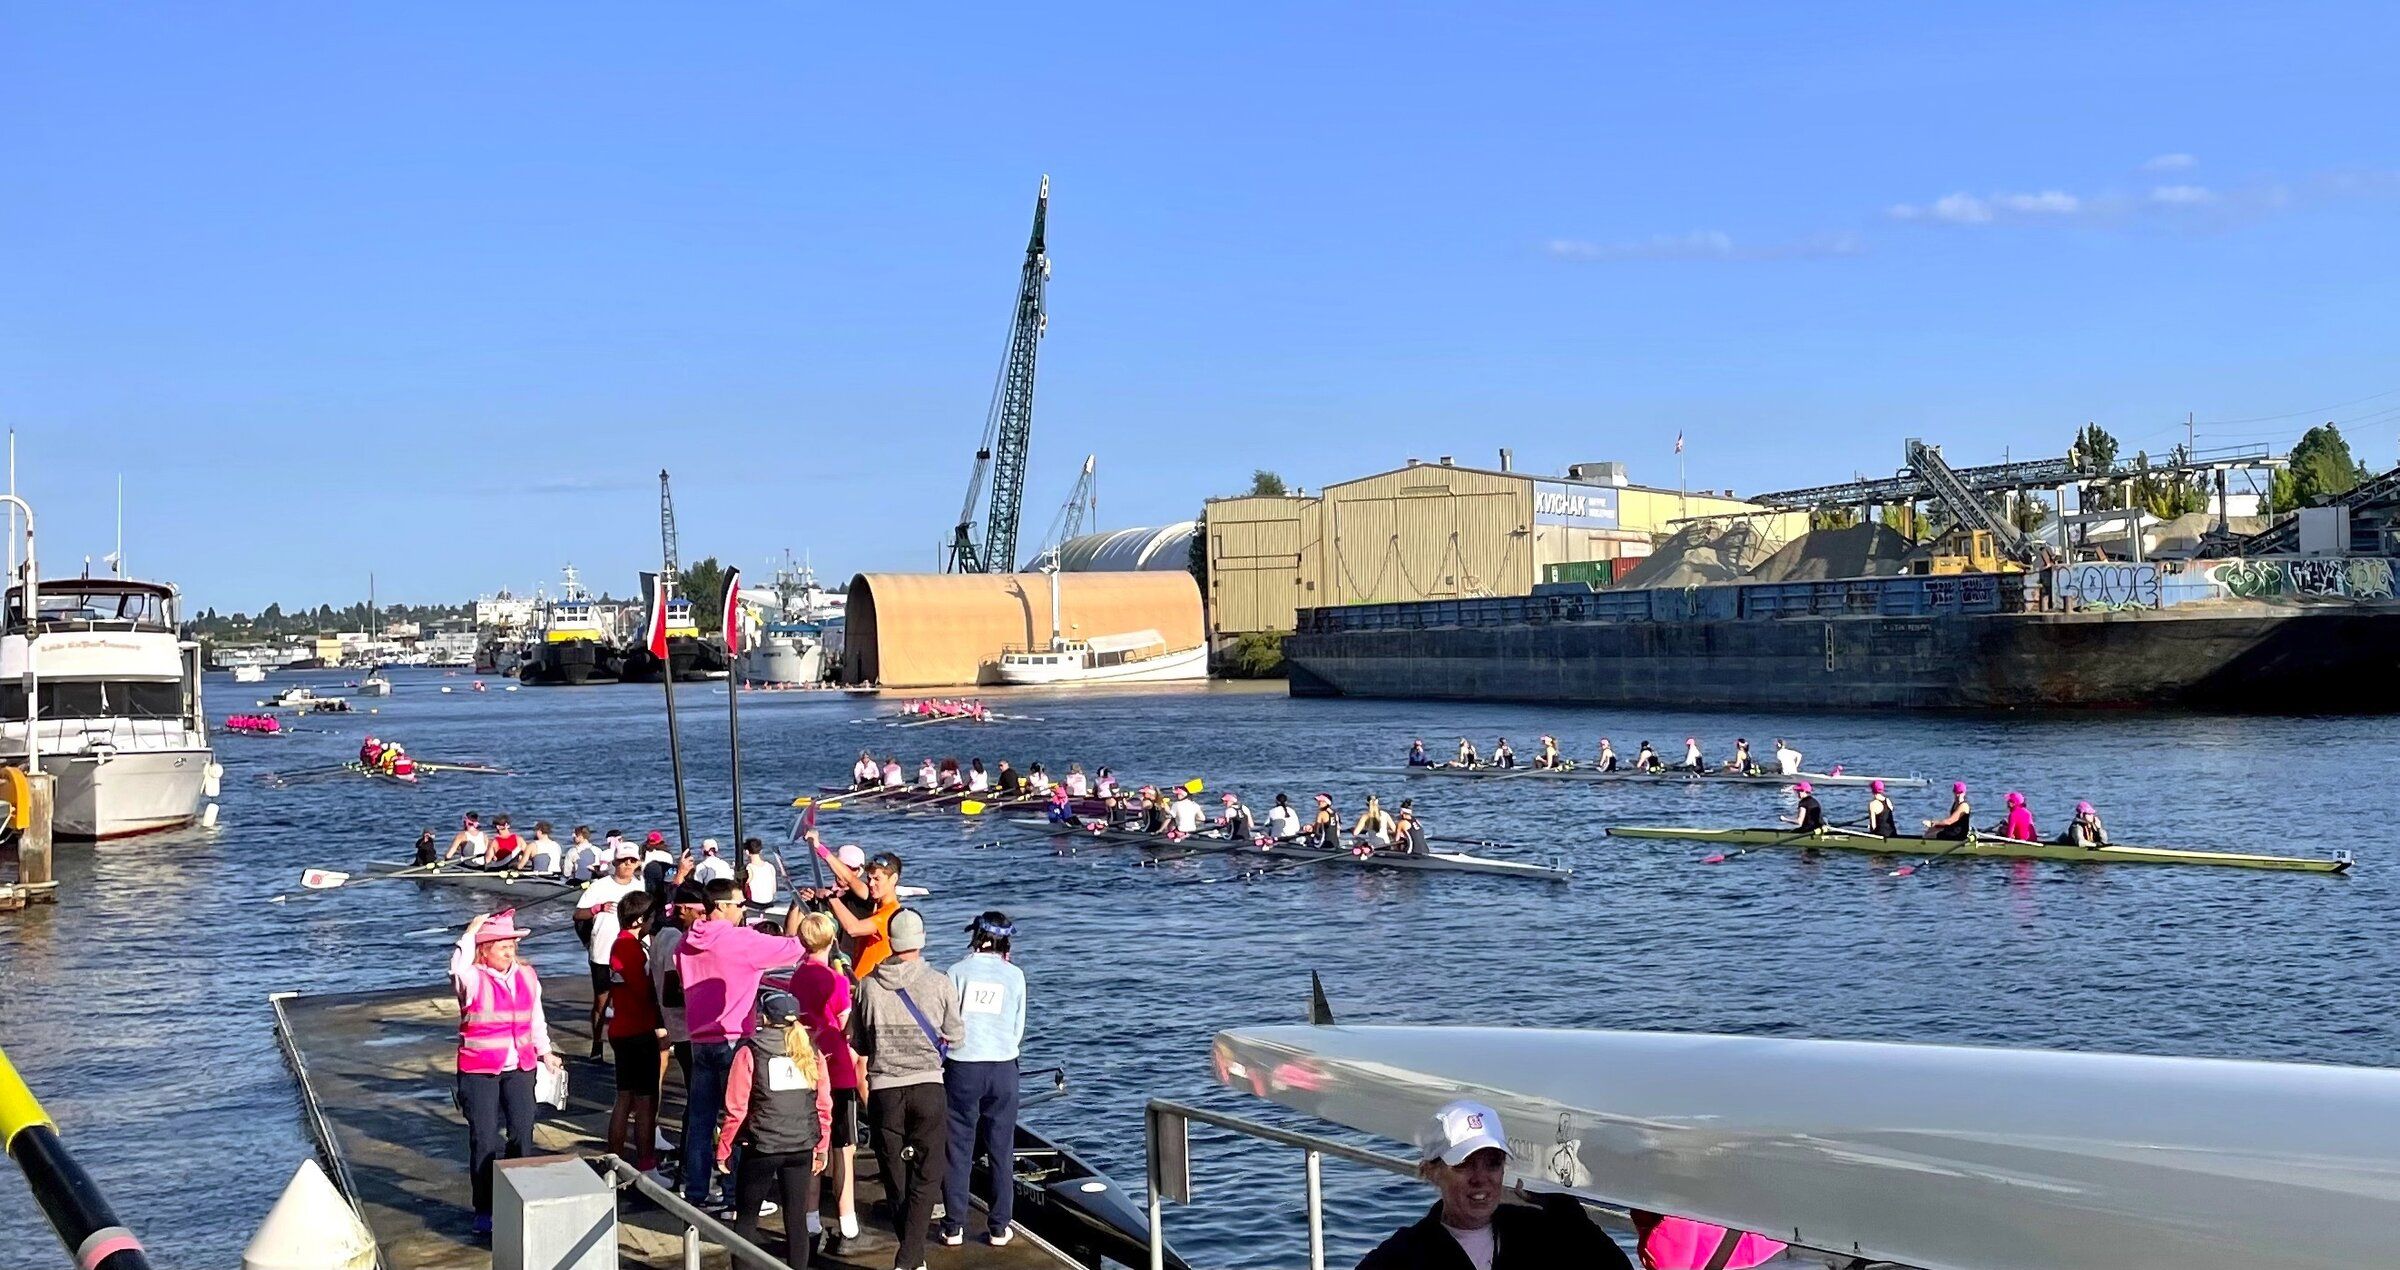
(1811, 813)
(2019, 822)
(502, 1040)
(1960, 822)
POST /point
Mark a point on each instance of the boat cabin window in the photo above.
(97, 699)
(63, 603)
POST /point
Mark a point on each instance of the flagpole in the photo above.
(731, 626)
(660, 592)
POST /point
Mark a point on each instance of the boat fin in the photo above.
(1320, 1014)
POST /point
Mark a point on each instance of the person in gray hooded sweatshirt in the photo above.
(905, 1021)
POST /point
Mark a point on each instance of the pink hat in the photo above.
(1805, 788)
(2015, 799)
(2082, 808)
(502, 926)
(1228, 800)
(656, 839)
(1874, 787)
(851, 855)
(1958, 787)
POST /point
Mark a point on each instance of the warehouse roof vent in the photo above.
(1445, 460)
(1611, 473)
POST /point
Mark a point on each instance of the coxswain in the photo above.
(1417, 757)
(979, 781)
(1326, 830)
(1062, 808)
(1374, 826)
(1408, 835)
(2085, 830)
(976, 710)
(2019, 822)
(1882, 821)
(1240, 825)
(1646, 759)
(1502, 755)
(1607, 760)
(929, 778)
(889, 774)
(1078, 784)
(1692, 762)
(1283, 823)
(1811, 817)
(1956, 825)
(468, 841)
(1787, 759)
(865, 774)
(403, 766)
(1184, 813)
(1740, 762)
(428, 850)
(1467, 757)
(1548, 758)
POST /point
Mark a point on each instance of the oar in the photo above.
(472, 769)
(1721, 857)
(333, 879)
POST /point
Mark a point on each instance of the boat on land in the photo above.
(1988, 848)
(1294, 853)
(1671, 776)
(1899, 1154)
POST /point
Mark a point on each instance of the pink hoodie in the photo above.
(720, 964)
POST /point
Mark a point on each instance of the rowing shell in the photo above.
(1671, 776)
(1987, 848)
(493, 882)
(1432, 862)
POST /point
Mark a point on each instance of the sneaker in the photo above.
(849, 1226)
(999, 1238)
(483, 1225)
(953, 1236)
(768, 1208)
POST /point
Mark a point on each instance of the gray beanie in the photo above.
(907, 931)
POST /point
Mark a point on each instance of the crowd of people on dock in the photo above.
(786, 1035)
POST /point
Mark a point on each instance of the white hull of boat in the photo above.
(372, 687)
(250, 674)
(1191, 663)
(782, 660)
(127, 793)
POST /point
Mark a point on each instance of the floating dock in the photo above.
(376, 1070)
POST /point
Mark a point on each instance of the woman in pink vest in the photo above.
(502, 1039)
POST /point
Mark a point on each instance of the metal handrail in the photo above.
(695, 1222)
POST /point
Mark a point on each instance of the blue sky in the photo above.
(435, 290)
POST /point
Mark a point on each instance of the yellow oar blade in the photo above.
(970, 808)
(1194, 785)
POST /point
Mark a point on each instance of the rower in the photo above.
(1038, 779)
(468, 840)
(1467, 757)
(1077, 783)
(1502, 756)
(1104, 784)
(1240, 825)
(1062, 808)
(1184, 813)
(1154, 811)
(2085, 830)
(506, 846)
(1417, 757)
(1812, 813)
(1373, 825)
(1646, 759)
(1408, 836)
(542, 854)
(1009, 781)
(1548, 757)
(978, 780)
(1740, 762)
(2019, 823)
(865, 774)
(1607, 761)
(1957, 825)
(1881, 818)
(889, 774)
(1692, 762)
(583, 858)
(1326, 830)
(1283, 823)
(951, 780)
(929, 778)
(1787, 759)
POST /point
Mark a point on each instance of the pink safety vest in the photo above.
(497, 1024)
(1679, 1243)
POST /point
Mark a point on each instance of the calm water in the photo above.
(137, 1007)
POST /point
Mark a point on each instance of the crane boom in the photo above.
(1008, 425)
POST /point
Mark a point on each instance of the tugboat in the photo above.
(684, 647)
(568, 645)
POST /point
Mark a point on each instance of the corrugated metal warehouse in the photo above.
(1434, 531)
(939, 630)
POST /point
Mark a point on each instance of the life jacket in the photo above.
(782, 1119)
(404, 766)
(497, 1024)
(1679, 1243)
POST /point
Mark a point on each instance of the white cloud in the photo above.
(1707, 244)
(2046, 203)
(2182, 195)
(1954, 209)
(2170, 163)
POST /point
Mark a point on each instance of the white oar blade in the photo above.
(322, 879)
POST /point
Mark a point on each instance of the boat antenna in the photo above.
(1320, 1012)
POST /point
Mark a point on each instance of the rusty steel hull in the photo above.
(2225, 656)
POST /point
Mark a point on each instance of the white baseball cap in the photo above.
(626, 852)
(1459, 1130)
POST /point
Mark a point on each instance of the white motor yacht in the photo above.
(116, 715)
(1130, 657)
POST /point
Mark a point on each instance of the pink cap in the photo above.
(1875, 787)
(1228, 800)
(1959, 787)
(2015, 799)
(1805, 788)
(2083, 809)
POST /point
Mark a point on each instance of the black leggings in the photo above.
(762, 1173)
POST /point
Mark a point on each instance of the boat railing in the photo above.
(120, 732)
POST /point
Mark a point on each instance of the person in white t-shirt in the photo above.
(866, 773)
(758, 873)
(542, 854)
(598, 905)
(978, 780)
(1184, 813)
(584, 858)
(1078, 785)
(712, 865)
(1787, 759)
(1283, 823)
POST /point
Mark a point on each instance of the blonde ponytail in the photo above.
(803, 1052)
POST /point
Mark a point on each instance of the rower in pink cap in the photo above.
(2019, 823)
(2085, 830)
(1882, 819)
(502, 1040)
(1958, 824)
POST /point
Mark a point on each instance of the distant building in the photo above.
(1439, 531)
(1161, 547)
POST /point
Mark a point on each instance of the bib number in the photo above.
(983, 998)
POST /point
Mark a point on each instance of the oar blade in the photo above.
(322, 879)
(970, 808)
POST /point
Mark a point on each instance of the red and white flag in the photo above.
(1679, 443)
(658, 617)
(732, 619)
